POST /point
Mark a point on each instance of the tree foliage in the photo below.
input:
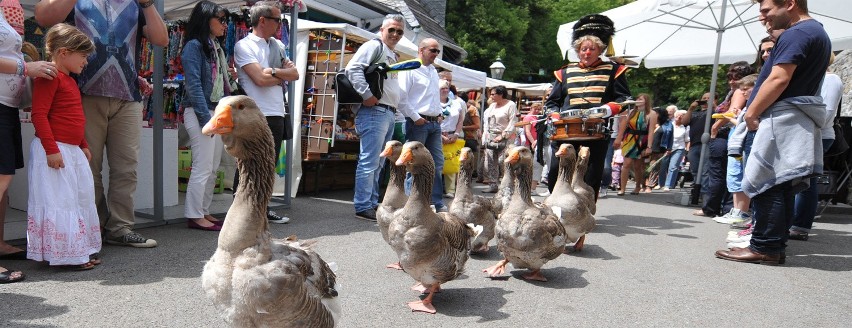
(523, 34)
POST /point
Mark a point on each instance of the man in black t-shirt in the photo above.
(695, 118)
(786, 147)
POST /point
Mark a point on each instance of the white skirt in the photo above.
(62, 221)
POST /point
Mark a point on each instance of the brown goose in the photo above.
(394, 194)
(253, 279)
(528, 235)
(472, 208)
(432, 247)
(579, 183)
(504, 191)
(574, 213)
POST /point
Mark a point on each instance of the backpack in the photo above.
(375, 74)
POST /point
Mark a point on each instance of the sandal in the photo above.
(78, 267)
(95, 259)
(6, 277)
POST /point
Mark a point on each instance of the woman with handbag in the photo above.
(498, 129)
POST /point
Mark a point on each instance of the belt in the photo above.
(432, 118)
(389, 107)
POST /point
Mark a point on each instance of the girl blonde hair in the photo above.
(64, 36)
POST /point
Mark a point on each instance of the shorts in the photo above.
(10, 141)
(734, 175)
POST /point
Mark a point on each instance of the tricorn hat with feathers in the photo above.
(596, 25)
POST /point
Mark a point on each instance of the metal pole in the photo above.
(291, 96)
(711, 104)
(157, 107)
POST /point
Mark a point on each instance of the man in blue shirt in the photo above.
(782, 101)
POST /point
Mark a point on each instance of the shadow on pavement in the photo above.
(592, 252)
(482, 302)
(622, 225)
(557, 278)
(17, 307)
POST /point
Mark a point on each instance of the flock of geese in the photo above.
(255, 280)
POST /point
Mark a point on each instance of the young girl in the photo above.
(62, 220)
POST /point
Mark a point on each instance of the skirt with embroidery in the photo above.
(62, 220)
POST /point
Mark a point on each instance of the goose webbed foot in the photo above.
(534, 275)
(578, 246)
(395, 266)
(497, 270)
(418, 287)
(425, 305)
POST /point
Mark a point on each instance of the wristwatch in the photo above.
(273, 72)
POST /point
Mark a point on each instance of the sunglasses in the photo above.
(435, 50)
(392, 30)
(222, 19)
(276, 19)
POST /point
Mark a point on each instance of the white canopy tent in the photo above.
(666, 33)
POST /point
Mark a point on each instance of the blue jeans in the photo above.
(429, 135)
(807, 200)
(606, 180)
(675, 159)
(663, 171)
(773, 214)
(375, 127)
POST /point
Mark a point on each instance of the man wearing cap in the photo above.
(588, 86)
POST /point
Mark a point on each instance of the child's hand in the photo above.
(88, 154)
(54, 161)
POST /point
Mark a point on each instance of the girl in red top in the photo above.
(62, 220)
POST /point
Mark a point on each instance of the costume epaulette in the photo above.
(558, 73)
(620, 70)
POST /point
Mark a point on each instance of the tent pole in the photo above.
(711, 105)
(291, 96)
(157, 107)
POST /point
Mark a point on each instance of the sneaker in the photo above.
(442, 208)
(544, 193)
(734, 216)
(742, 225)
(275, 218)
(132, 239)
(743, 244)
(666, 189)
(602, 193)
(543, 181)
(739, 238)
(449, 195)
(369, 215)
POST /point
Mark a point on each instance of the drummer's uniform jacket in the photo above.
(579, 87)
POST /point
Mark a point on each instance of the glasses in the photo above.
(396, 31)
(276, 19)
(435, 50)
(222, 19)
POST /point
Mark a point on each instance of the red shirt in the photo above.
(58, 112)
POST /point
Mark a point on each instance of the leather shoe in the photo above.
(192, 225)
(748, 255)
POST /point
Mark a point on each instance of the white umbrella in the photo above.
(665, 33)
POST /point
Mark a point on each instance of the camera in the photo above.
(701, 102)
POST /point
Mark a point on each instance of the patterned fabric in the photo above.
(14, 14)
(115, 28)
(631, 146)
(62, 221)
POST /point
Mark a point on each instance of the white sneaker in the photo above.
(739, 239)
(666, 189)
(734, 216)
(544, 193)
(743, 244)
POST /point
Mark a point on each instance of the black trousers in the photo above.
(597, 157)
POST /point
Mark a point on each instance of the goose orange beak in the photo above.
(563, 150)
(387, 152)
(513, 157)
(584, 152)
(405, 157)
(220, 123)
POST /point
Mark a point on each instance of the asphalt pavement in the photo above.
(649, 263)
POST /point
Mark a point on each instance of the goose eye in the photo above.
(241, 106)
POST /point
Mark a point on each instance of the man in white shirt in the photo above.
(262, 80)
(420, 102)
(374, 119)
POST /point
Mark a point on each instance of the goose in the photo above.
(394, 194)
(574, 211)
(528, 235)
(504, 191)
(472, 208)
(253, 279)
(432, 247)
(579, 183)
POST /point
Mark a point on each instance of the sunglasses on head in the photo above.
(276, 19)
(396, 31)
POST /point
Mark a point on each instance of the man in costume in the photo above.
(590, 87)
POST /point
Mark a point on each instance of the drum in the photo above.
(580, 129)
